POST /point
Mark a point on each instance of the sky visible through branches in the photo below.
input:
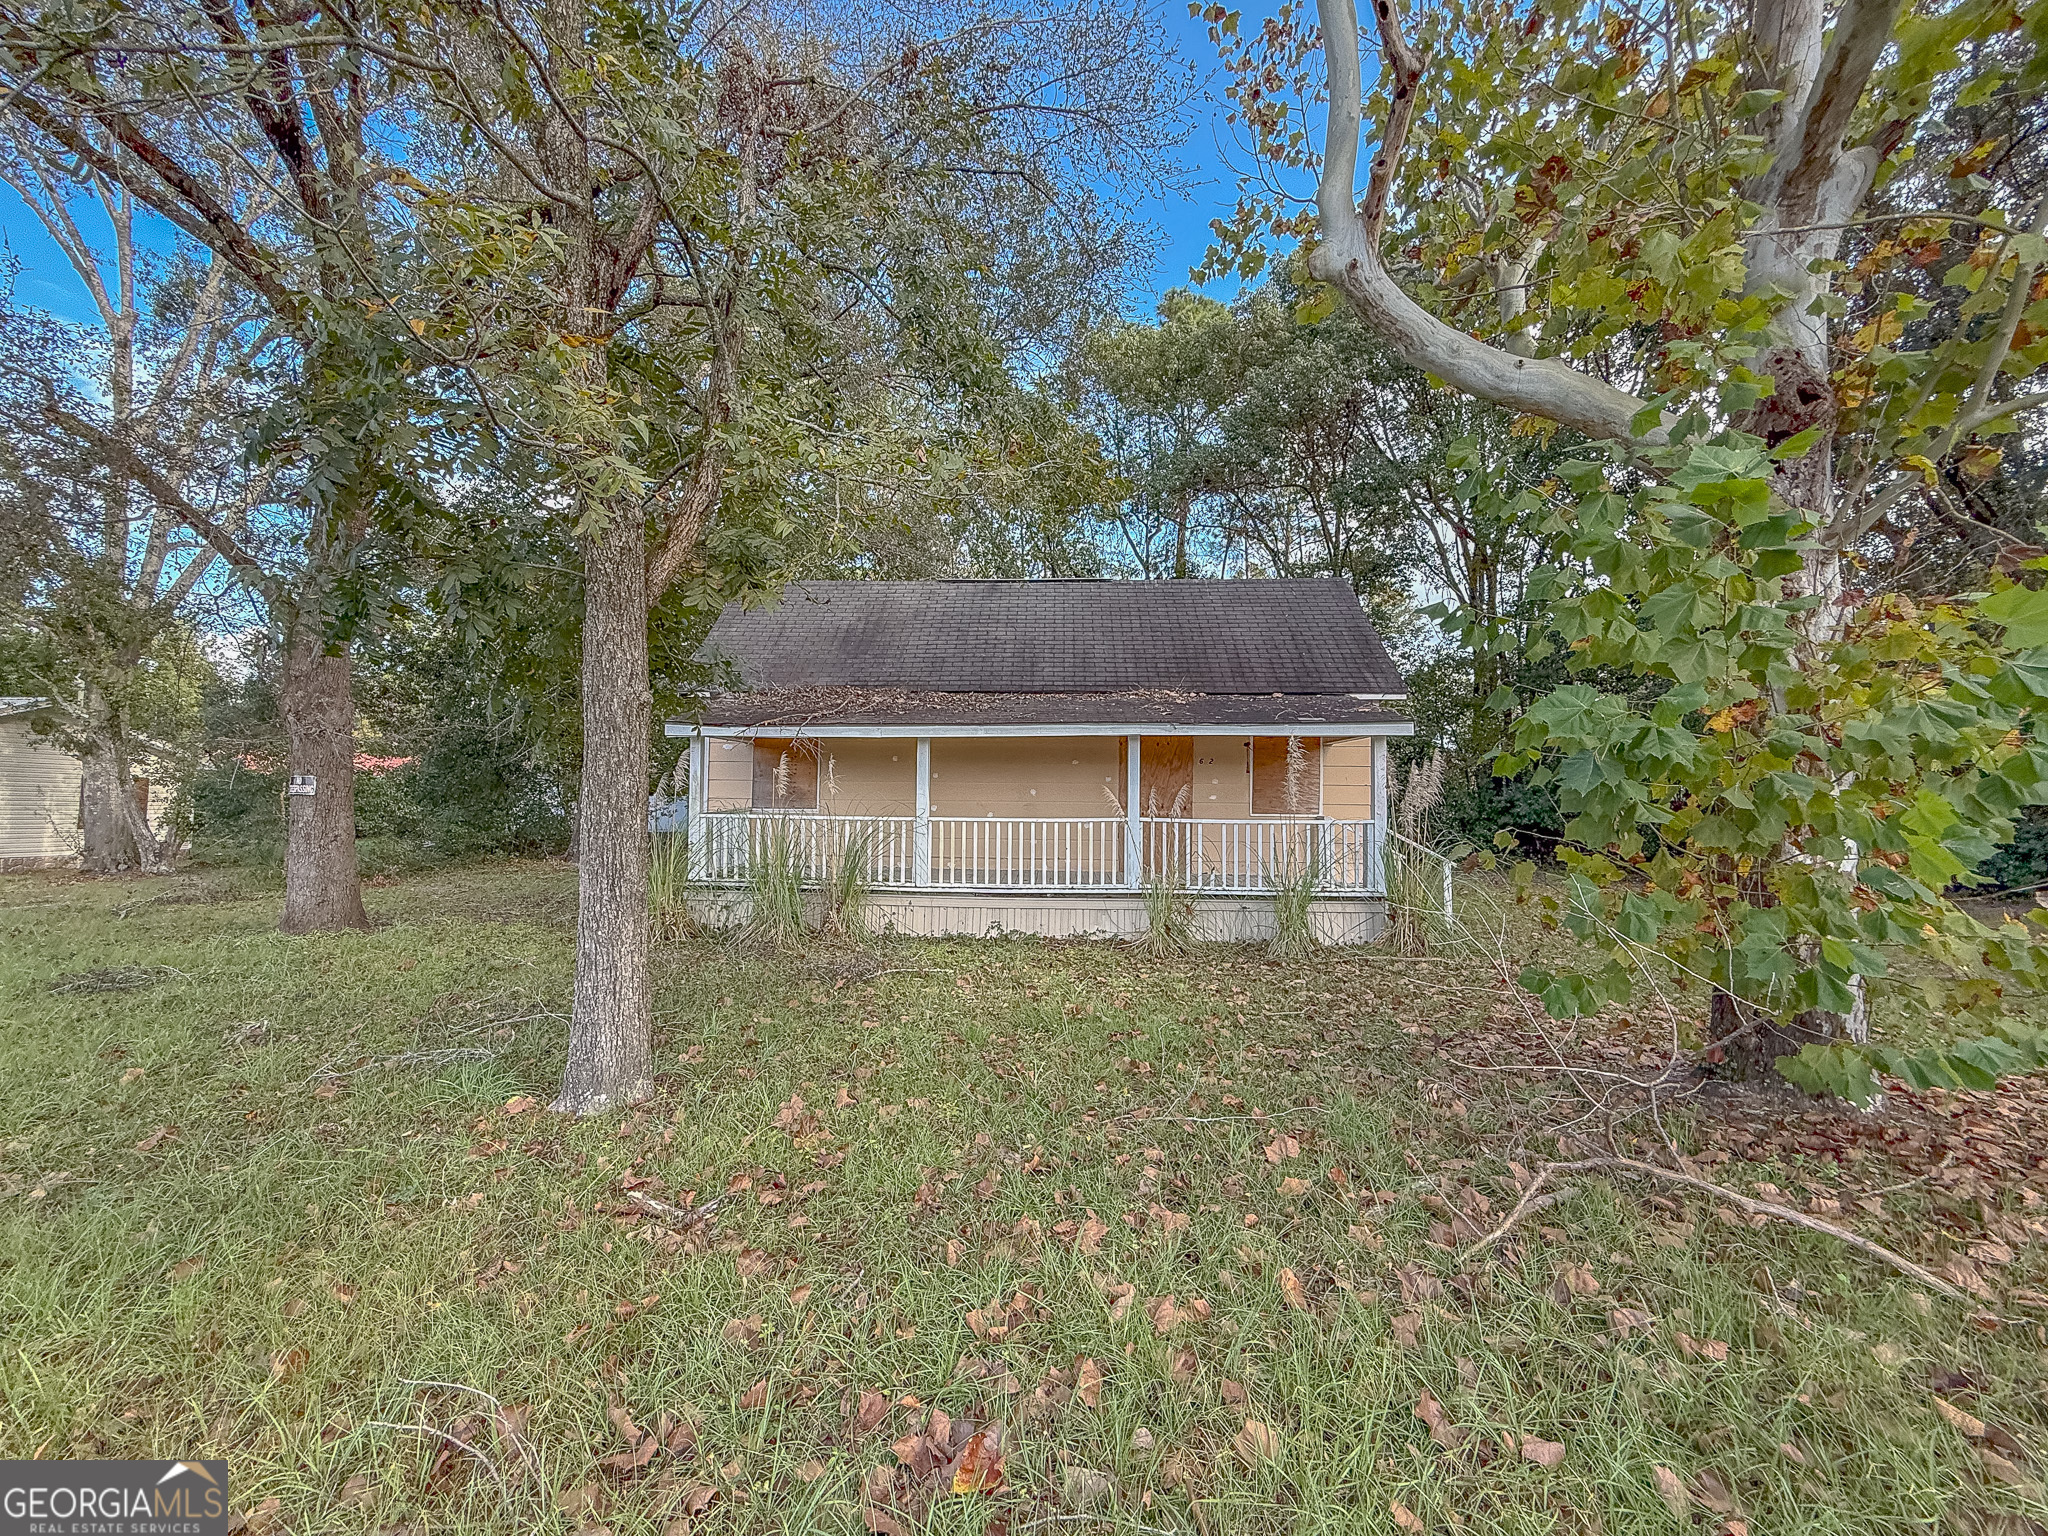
(44, 279)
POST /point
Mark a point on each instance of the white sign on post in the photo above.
(302, 784)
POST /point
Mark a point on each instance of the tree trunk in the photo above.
(611, 1059)
(321, 890)
(106, 832)
(115, 834)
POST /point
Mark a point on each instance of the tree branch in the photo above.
(1794, 186)
(1349, 259)
(1405, 65)
(1530, 1202)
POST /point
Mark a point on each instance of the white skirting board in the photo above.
(1228, 919)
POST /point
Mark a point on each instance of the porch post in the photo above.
(699, 793)
(1381, 819)
(921, 836)
(1134, 830)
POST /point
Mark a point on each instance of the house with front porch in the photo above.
(1031, 756)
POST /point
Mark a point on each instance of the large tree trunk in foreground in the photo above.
(321, 889)
(611, 1022)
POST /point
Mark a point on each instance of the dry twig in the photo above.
(461, 1445)
(674, 1215)
(1549, 1171)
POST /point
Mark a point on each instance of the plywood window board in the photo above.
(1287, 775)
(785, 775)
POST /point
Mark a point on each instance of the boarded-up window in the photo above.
(785, 776)
(1166, 775)
(1287, 775)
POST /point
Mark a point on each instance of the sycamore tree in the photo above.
(1708, 239)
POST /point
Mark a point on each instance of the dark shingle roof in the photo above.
(1060, 637)
(808, 709)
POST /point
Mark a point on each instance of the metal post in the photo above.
(921, 837)
(1134, 829)
(699, 795)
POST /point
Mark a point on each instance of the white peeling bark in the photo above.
(1348, 258)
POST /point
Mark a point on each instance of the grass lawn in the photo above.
(1186, 1231)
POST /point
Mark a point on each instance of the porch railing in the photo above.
(1052, 854)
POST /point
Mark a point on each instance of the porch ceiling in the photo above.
(833, 711)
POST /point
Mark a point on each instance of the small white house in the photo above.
(39, 792)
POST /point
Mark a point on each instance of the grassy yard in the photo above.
(1186, 1231)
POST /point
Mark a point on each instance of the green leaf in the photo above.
(1840, 1070)
(2024, 613)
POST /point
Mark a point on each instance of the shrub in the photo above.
(1169, 916)
(775, 882)
(1294, 892)
(846, 899)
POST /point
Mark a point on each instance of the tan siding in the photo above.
(1026, 776)
(38, 796)
(731, 775)
(869, 778)
(1347, 779)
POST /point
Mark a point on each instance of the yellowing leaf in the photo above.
(979, 1468)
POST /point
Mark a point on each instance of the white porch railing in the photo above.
(1052, 854)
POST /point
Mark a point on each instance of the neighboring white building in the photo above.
(39, 792)
(40, 796)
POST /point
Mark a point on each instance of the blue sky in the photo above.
(1181, 217)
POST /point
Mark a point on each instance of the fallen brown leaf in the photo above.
(1290, 1287)
(263, 1518)
(1256, 1443)
(1963, 1420)
(1280, 1148)
(1671, 1489)
(1441, 1429)
(1088, 1381)
(1404, 1517)
(1084, 1487)
(872, 1408)
(1545, 1453)
(1714, 1491)
(979, 1467)
(756, 1396)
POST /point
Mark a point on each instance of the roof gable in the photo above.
(1207, 637)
